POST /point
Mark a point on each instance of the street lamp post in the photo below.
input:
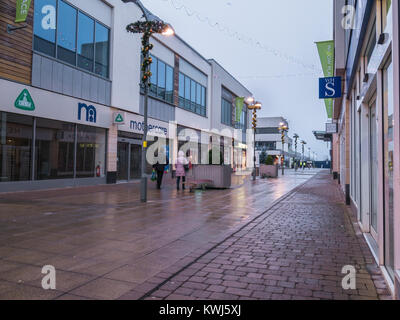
(151, 25)
(302, 151)
(283, 127)
(295, 137)
(254, 106)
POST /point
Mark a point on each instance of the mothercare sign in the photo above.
(22, 10)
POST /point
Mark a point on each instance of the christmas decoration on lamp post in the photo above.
(254, 106)
(295, 137)
(302, 151)
(147, 28)
(283, 127)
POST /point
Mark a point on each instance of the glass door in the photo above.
(373, 169)
(388, 137)
(135, 161)
(358, 166)
(122, 160)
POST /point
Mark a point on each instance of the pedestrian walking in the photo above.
(159, 167)
(181, 166)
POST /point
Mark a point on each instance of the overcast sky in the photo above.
(283, 75)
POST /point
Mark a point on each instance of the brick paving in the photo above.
(295, 250)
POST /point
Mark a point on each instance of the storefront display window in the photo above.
(373, 145)
(388, 104)
(90, 152)
(15, 147)
(54, 149)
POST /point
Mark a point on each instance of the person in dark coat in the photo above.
(159, 166)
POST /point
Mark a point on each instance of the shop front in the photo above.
(49, 140)
(129, 148)
(193, 143)
(129, 153)
(239, 156)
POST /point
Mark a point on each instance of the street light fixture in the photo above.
(295, 137)
(168, 31)
(254, 106)
(151, 25)
(283, 128)
(250, 100)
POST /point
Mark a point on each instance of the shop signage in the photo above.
(22, 10)
(152, 129)
(119, 118)
(90, 110)
(330, 88)
(326, 51)
(331, 128)
(24, 101)
(18, 98)
(239, 102)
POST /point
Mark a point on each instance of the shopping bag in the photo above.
(153, 176)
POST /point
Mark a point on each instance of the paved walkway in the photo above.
(259, 240)
(296, 250)
(106, 244)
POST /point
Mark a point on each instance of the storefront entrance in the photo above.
(389, 150)
(128, 159)
(373, 168)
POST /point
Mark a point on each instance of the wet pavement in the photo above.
(106, 244)
(296, 250)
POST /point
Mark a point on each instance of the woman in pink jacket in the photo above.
(180, 164)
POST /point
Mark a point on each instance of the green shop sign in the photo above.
(119, 118)
(24, 101)
(22, 10)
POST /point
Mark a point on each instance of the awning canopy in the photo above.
(322, 135)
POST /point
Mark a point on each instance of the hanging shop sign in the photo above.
(22, 10)
(330, 88)
(239, 103)
(331, 127)
(326, 51)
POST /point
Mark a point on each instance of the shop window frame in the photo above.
(56, 43)
(33, 162)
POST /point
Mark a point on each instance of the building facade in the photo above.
(71, 108)
(269, 139)
(234, 136)
(366, 147)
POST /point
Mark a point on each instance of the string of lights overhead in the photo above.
(179, 6)
(281, 76)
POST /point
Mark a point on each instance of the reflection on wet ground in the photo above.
(104, 237)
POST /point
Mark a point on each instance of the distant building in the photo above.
(269, 139)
